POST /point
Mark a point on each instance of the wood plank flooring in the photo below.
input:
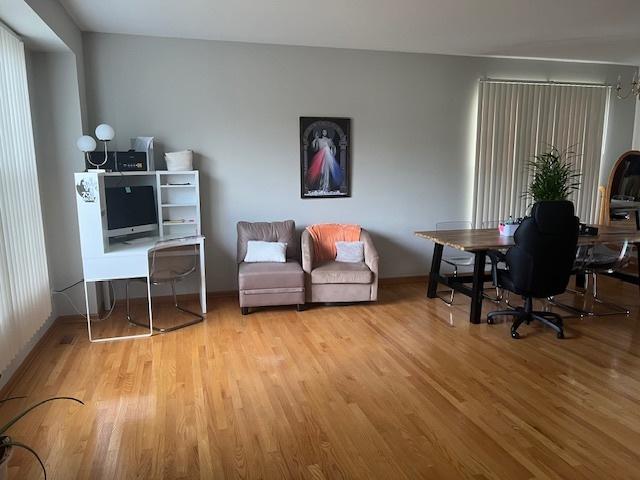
(401, 389)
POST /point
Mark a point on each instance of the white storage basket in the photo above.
(179, 161)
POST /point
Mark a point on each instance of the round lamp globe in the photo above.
(105, 132)
(86, 143)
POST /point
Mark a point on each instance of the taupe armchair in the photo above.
(332, 281)
(264, 284)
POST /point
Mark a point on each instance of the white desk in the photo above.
(125, 261)
(103, 260)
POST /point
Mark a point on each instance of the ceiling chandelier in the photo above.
(634, 90)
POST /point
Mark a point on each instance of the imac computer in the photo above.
(130, 210)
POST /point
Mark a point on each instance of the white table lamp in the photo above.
(87, 144)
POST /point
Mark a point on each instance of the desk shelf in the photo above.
(177, 201)
(177, 206)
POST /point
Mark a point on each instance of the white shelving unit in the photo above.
(178, 196)
(177, 199)
(103, 259)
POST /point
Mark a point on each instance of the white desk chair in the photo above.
(169, 264)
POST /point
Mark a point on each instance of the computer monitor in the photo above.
(130, 210)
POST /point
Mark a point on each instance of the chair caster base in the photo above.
(526, 315)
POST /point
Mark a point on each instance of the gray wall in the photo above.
(237, 106)
(57, 18)
(55, 107)
(58, 105)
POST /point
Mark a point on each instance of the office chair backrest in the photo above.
(541, 261)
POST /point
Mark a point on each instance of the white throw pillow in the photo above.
(258, 251)
(350, 252)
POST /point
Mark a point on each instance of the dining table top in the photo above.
(490, 239)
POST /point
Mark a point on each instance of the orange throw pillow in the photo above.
(325, 236)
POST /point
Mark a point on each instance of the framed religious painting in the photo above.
(325, 156)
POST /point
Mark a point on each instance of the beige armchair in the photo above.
(332, 281)
(263, 284)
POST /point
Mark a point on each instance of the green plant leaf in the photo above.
(8, 425)
(12, 398)
(27, 447)
(554, 177)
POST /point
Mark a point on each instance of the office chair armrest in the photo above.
(496, 257)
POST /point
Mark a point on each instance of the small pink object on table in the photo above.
(507, 230)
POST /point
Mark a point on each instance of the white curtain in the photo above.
(25, 299)
(517, 120)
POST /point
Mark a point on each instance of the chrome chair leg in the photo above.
(614, 308)
(440, 293)
(198, 317)
(570, 308)
(128, 301)
(617, 309)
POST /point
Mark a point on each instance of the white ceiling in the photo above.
(590, 30)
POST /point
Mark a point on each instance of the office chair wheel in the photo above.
(515, 335)
(560, 335)
(489, 321)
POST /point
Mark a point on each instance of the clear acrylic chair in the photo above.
(494, 225)
(622, 215)
(168, 264)
(457, 259)
(591, 261)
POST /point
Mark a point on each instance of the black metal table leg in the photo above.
(435, 270)
(477, 288)
(581, 280)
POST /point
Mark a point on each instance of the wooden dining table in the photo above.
(480, 241)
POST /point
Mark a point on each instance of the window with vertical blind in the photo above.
(517, 120)
(25, 299)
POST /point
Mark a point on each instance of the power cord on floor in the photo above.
(64, 293)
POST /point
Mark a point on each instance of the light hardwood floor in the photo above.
(401, 389)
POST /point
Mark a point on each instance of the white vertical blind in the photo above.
(517, 120)
(25, 299)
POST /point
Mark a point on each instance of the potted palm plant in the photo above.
(554, 177)
(7, 444)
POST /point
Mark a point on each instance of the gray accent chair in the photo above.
(337, 282)
(269, 283)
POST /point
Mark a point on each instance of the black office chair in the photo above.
(540, 263)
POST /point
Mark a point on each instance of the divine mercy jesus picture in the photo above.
(325, 148)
